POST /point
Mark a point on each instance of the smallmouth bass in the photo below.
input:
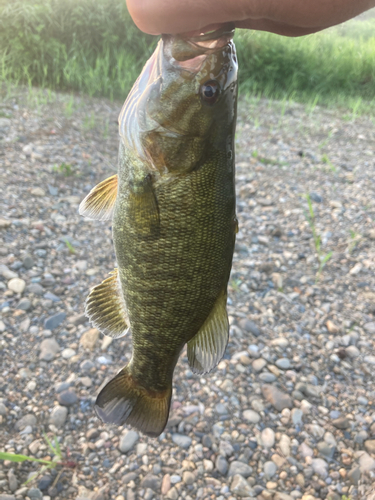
(172, 206)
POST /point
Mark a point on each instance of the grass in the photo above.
(93, 46)
(323, 258)
(45, 464)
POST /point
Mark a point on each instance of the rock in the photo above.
(44, 482)
(241, 468)
(58, 416)
(221, 465)
(12, 480)
(172, 494)
(325, 449)
(369, 360)
(35, 288)
(89, 339)
(127, 441)
(269, 469)
(25, 421)
(86, 365)
(38, 191)
(68, 353)
(54, 321)
(352, 351)
(297, 415)
(241, 487)
(181, 440)
(366, 463)
(2, 496)
(27, 261)
(370, 327)
(283, 496)
(259, 364)
(250, 327)
(370, 446)
(17, 285)
(277, 398)
(78, 319)
(6, 273)
(35, 494)
(341, 423)
(3, 409)
(354, 475)
(165, 484)
(4, 223)
(251, 416)
(320, 467)
(67, 398)
(267, 438)
(48, 349)
(283, 363)
(188, 477)
(315, 197)
(24, 304)
(151, 481)
(284, 445)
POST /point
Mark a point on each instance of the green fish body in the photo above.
(172, 207)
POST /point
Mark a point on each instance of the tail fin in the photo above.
(124, 401)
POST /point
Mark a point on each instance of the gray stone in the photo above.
(24, 304)
(251, 416)
(54, 321)
(369, 360)
(370, 446)
(35, 494)
(283, 363)
(370, 327)
(277, 398)
(67, 398)
(181, 440)
(86, 365)
(341, 423)
(3, 409)
(316, 197)
(241, 487)
(48, 349)
(27, 261)
(7, 497)
(267, 377)
(58, 416)
(325, 449)
(297, 415)
(130, 476)
(25, 421)
(237, 467)
(6, 273)
(12, 480)
(221, 465)
(127, 441)
(366, 463)
(35, 288)
(352, 351)
(151, 481)
(354, 475)
(188, 477)
(250, 327)
(269, 469)
(320, 467)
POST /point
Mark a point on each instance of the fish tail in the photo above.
(124, 401)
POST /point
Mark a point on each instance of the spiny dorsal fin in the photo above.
(105, 307)
(98, 204)
(207, 348)
(124, 401)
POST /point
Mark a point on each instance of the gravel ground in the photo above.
(289, 412)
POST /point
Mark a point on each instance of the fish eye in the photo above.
(210, 92)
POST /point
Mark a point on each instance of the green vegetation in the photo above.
(93, 46)
(65, 169)
(45, 464)
(322, 257)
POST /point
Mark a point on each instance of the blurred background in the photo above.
(94, 47)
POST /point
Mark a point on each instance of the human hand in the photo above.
(284, 17)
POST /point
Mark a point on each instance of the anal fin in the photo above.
(105, 307)
(99, 203)
(207, 347)
(124, 401)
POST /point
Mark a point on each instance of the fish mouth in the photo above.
(190, 52)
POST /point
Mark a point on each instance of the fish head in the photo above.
(184, 102)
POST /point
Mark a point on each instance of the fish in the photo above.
(172, 210)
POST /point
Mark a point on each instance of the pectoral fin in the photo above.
(207, 348)
(99, 203)
(105, 307)
(143, 207)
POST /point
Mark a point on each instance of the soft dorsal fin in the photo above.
(98, 204)
(207, 347)
(105, 307)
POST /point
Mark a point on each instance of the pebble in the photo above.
(181, 440)
(128, 440)
(58, 416)
(17, 285)
(151, 481)
(283, 363)
(269, 469)
(48, 349)
(67, 397)
(25, 421)
(267, 438)
(54, 321)
(89, 339)
(241, 468)
(27, 261)
(221, 465)
(68, 353)
(297, 415)
(188, 477)
(277, 398)
(12, 480)
(241, 487)
(258, 364)
(251, 416)
(320, 467)
(250, 327)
